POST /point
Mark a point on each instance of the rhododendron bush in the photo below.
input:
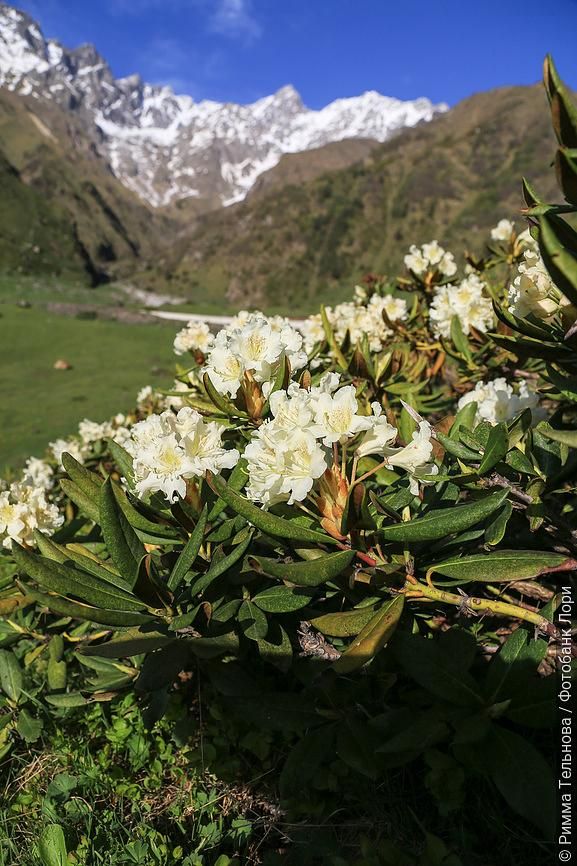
(369, 513)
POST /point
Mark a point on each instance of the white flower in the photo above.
(39, 473)
(168, 449)
(24, 508)
(415, 457)
(360, 295)
(144, 396)
(90, 431)
(224, 368)
(378, 436)
(430, 257)
(503, 231)
(532, 290)
(71, 446)
(312, 331)
(195, 336)
(467, 300)
(499, 401)
(282, 466)
(415, 261)
(336, 418)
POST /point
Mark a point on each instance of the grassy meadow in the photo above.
(110, 362)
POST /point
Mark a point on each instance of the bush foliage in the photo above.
(357, 543)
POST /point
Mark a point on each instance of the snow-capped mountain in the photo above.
(166, 147)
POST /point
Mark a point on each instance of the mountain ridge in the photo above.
(164, 146)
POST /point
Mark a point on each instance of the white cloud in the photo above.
(234, 18)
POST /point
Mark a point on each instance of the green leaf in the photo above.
(122, 459)
(445, 521)
(560, 263)
(252, 621)
(10, 675)
(70, 699)
(68, 581)
(495, 530)
(311, 573)
(565, 437)
(222, 403)
(86, 504)
(465, 417)
(29, 728)
(90, 564)
(122, 543)
(459, 339)
(502, 665)
(331, 340)
(52, 846)
(128, 643)
(56, 674)
(436, 671)
(188, 554)
(236, 481)
(524, 778)
(222, 565)
(345, 624)
(503, 566)
(87, 481)
(373, 636)
(495, 449)
(277, 648)
(457, 449)
(282, 599)
(264, 521)
(305, 758)
(77, 610)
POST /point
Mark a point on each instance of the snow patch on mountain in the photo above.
(165, 146)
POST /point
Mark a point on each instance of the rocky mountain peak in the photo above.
(167, 147)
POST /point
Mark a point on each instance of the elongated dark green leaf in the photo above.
(373, 637)
(503, 664)
(221, 566)
(142, 524)
(222, 403)
(211, 647)
(264, 521)
(457, 449)
(276, 648)
(311, 573)
(10, 675)
(495, 530)
(331, 340)
(346, 624)
(90, 564)
(459, 339)
(282, 599)
(496, 448)
(565, 437)
(86, 504)
(87, 481)
(560, 263)
(436, 670)
(236, 481)
(524, 778)
(122, 459)
(465, 417)
(252, 621)
(129, 643)
(77, 610)
(503, 566)
(69, 581)
(67, 699)
(188, 554)
(445, 521)
(123, 544)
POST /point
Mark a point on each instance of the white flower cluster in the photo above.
(24, 508)
(89, 433)
(532, 290)
(499, 401)
(291, 451)
(39, 473)
(358, 319)
(196, 336)
(468, 301)
(168, 449)
(253, 344)
(430, 257)
(503, 231)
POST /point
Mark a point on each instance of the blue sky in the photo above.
(240, 50)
